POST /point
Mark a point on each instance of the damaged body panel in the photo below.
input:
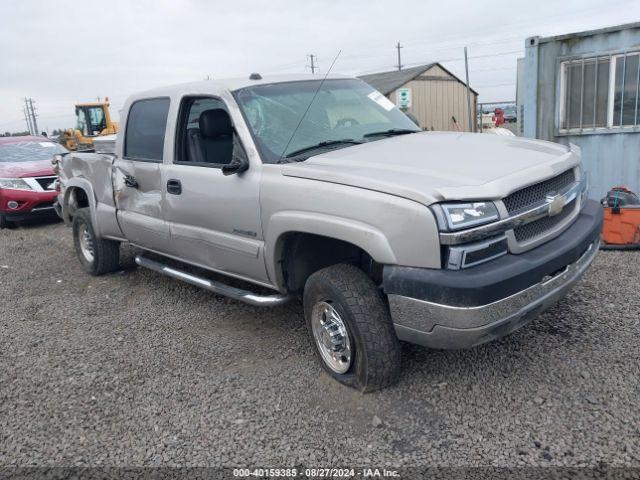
(311, 187)
(86, 182)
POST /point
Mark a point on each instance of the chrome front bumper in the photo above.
(450, 327)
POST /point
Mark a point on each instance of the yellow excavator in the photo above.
(93, 119)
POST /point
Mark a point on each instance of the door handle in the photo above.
(174, 187)
(130, 181)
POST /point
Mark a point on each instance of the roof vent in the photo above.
(255, 76)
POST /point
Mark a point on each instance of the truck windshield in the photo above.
(29, 151)
(344, 113)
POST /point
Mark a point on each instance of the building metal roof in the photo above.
(387, 82)
(589, 33)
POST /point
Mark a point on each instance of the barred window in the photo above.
(625, 98)
(600, 92)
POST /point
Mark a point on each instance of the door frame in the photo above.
(244, 140)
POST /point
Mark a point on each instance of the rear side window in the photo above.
(146, 125)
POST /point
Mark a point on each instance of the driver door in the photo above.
(214, 218)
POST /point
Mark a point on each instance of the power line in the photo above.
(452, 59)
(447, 46)
(496, 84)
(455, 42)
(488, 55)
(462, 38)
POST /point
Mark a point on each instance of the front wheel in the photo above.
(351, 329)
(98, 256)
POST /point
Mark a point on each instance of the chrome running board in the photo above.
(244, 296)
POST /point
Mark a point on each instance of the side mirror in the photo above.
(237, 165)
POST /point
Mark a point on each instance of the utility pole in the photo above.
(26, 117)
(312, 59)
(466, 68)
(32, 114)
(398, 47)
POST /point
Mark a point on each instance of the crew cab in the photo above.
(27, 180)
(322, 189)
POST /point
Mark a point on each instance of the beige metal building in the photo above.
(434, 95)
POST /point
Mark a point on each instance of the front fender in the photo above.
(360, 234)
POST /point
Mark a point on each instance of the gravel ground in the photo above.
(136, 369)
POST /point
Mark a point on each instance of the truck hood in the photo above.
(41, 168)
(429, 167)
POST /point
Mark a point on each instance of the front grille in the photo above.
(543, 225)
(534, 194)
(45, 182)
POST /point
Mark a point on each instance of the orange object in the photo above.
(621, 226)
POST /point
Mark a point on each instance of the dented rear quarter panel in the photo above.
(92, 173)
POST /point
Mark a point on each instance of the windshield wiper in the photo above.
(390, 132)
(323, 144)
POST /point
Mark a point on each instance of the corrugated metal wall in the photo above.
(610, 158)
(436, 102)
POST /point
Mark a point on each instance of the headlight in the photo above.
(14, 184)
(458, 216)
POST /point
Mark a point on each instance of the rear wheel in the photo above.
(351, 329)
(98, 256)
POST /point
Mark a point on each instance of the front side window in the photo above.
(346, 109)
(146, 126)
(600, 92)
(206, 136)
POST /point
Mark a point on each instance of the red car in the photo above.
(27, 180)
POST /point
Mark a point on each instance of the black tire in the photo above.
(4, 223)
(375, 364)
(106, 253)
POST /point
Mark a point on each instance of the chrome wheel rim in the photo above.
(332, 337)
(86, 243)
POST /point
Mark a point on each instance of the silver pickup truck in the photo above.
(324, 189)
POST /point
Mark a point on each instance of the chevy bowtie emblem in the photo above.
(556, 204)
